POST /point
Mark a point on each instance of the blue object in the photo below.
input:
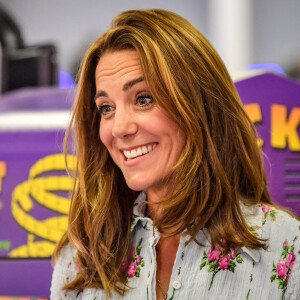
(66, 81)
(274, 67)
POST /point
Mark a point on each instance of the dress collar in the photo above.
(139, 206)
(254, 217)
(252, 214)
(255, 254)
(139, 209)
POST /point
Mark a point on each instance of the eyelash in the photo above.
(144, 97)
(101, 108)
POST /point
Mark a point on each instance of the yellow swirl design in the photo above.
(43, 234)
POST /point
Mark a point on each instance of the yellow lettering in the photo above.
(43, 234)
(254, 113)
(2, 173)
(284, 129)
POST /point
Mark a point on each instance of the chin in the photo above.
(136, 185)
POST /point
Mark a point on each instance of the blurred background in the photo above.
(244, 32)
(41, 45)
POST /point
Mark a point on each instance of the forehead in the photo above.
(118, 64)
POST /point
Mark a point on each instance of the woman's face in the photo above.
(144, 142)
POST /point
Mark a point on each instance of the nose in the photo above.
(124, 124)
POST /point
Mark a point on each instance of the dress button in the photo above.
(176, 284)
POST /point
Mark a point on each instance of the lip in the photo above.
(137, 146)
(139, 159)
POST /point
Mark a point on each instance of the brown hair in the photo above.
(220, 164)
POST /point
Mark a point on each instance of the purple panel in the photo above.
(20, 151)
(40, 98)
(282, 163)
(31, 278)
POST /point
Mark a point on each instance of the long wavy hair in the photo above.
(220, 165)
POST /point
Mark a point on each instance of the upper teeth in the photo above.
(129, 154)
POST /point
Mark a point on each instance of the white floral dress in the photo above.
(200, 272)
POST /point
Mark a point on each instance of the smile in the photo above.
(130, 154)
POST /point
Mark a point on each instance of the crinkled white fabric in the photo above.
(249, 277)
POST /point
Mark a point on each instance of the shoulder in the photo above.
(281, 259)
(67, 257)
(268, 222)
(65, 270)
(283, 234)
(279, 225)
(279, 229)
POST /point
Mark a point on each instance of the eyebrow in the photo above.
(125, 88)
(131, 83)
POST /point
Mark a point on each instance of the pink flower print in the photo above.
(290, 260)
(216, 261)
(273, 218)
(281, 269)
(138, 260)
(254, 228)
(224, 262)
(223, 242)
(213, 255)
(132, 270)
(222, 245)
(266, 209)
(133, 252)
(124, 265)
(233, 254)
(220, 248)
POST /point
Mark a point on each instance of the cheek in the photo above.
(181, 143)
(175, 132)
(108, 141)
(105, 135)
(181, 138)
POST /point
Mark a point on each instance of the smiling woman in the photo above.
(171, 200)
(143, 141)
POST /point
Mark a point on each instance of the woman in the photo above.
(157, 112)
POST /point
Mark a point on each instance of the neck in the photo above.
(154, 197)
(154, 209)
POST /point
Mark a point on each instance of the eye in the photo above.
(144, 100)
(104, 110)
